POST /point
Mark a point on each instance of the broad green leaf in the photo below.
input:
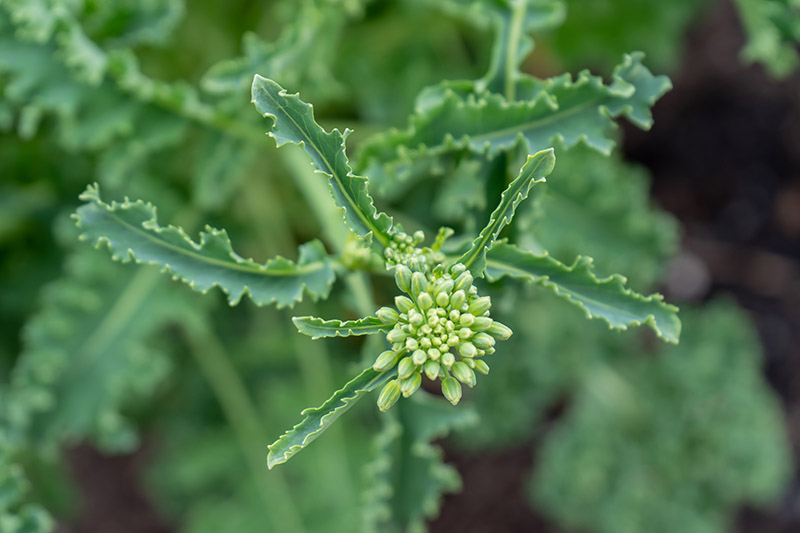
(131, 232)
(318, 419)
(607, 298)
(557, 109)
(407, 476)
(672, 442)
(293, 122)
(534, 170)
(318, 328)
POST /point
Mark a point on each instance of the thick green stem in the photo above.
(518, 8)
(243, 417)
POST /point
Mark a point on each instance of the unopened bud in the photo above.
(481, 366)
(448, 359)
(465, 333)
(499, 331)
(410, 385)
(457, 269)
(466, 320)
(425, 301)
(389, 395)
(406, 367)
(431, 369)
(467, 349)
(442, 299)
(464, 374)
(403, 303)
(402, 276)
(480, 305)
(458, 299)
(483, 341)
(482, 323)
(451, 389)
(385, 361)
(387, 315)
(419, 284)
(396, 335)
(419, 357)
(463, 281)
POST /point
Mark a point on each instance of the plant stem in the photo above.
(245, 421)
(518, 8)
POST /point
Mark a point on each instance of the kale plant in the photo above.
(464, 273)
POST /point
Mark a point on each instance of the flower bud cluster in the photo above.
(441, 328)
(404, 248)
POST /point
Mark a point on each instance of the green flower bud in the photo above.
(416, 264)
(464, 374)
(483, 341)
(463, 281)
(425, 301)
(499, 331)
(458, 299)
(457, 269)
(387, 315)
(481, 366)
(425, 343)
(419, 236)
(403, 303)
(451, 390)
(389, 395)
(402, 276)
(480, 305)
(467, 349)
(396, 335)
(419, 357)
(415, 318)
(482, 323)
(443, 286)
(426, 330)
(453, 340)
(406, 367)
(385, 361)
(466, 319)
(455, 315)
(410, 385)
(431, 370)
(411, 344)
(433, 353)
(419, 284)
(442, 299)
(465, 333)
(448, 359)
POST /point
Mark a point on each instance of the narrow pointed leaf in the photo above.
(318, 419)
(131, 232)
(606, 298)
(294, 123)
(317, 328)
(533, 171)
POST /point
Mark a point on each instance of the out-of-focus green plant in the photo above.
(773, 33)
(105, 93)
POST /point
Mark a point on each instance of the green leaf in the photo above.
(294, 123)
(407, 476)
(318, 328)
(318, 419)
(557, 109)
(607, 298)
(773, 34)
(534, 170)
(131, 232)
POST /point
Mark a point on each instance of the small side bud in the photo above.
(458, 299)
(419, 284)
(419, 357)
(466, 320)
(406, 367)
(410, 385)
(442, 299)
(451, 389)
(388, 316)
(467, 349)
(482, 323)
(431, 370)
(457, 269)
(499, 331)
(463, 281)
(481, 366)
(419, 236)
(464, 333)
(448, 359)
(403, 303)
(480, 305)
(396, 335)
(464, 374)
(389, 395)
(385, 361)
(402, 276)
(443, 286)
(483, 341)
(425, 301)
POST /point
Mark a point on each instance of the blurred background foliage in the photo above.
(151, 100)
